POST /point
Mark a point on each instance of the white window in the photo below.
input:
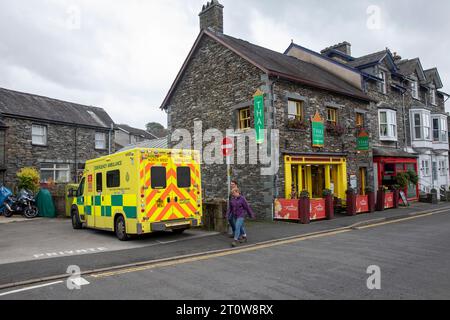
(426, 168)
(415, 89)
(100, 140)
(440, 130)
(443, 167)
(433, 96)
(388, 125)
(382, 86)
(421, 121)
(59, 173)
(39, 135)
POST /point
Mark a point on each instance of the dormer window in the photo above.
(382, 86)
(415, 89)
(433, 96)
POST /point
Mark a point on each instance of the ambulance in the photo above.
(140, 191)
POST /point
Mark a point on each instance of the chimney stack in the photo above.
(212, 16)
(344, 47)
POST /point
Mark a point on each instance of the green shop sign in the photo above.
(363, 141)
(318, 131)
(258, 100)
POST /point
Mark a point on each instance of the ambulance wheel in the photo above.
(76, 223)
(121, 229)
(178, 231)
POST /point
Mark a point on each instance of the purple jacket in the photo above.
(239, 208)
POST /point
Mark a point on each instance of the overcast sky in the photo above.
(124, 55)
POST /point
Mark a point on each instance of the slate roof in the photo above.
(390, 153)
(276, 64)
(161, 143)
(368, 59)
(136, 131)
(25, 105)
(291, 67)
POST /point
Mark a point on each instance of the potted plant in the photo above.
(335, 129)
(297, 124)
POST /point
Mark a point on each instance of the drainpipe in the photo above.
(274, 125)
(76, 156)
(109, 138)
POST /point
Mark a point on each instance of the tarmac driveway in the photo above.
(29, 240)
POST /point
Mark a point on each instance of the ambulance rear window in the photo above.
(158, 177)
(184, 177)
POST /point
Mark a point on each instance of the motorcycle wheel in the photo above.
(31, 213)
(7, 213)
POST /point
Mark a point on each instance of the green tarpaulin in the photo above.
(44, 202)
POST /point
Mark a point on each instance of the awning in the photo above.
(393, 153)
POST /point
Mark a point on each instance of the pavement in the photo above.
(42, 249)
(411, 257)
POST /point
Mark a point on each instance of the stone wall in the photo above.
(61, 146)
(217, 83)
(295, 141)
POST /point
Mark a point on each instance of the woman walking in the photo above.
(239, 209)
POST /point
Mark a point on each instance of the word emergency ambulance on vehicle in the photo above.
(140, 191)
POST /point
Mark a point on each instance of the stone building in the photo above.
(214, 90)
(54, 136)
(411, 131)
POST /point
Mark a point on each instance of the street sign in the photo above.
(227, 147)
(258, 100)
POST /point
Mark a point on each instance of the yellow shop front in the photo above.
(315, 174)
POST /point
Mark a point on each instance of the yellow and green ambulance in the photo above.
(140, 191)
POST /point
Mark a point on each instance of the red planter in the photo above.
(351, 203)
(329, 207)
(381, 199)
(371, 196)
(305, 210)
(396, 198)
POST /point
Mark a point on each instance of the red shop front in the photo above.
(387, 168)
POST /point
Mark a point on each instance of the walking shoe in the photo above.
(243, 240)
(234, 244)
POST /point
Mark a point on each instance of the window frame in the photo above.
(415, 89)
(426, 168)
(54, 169)
(242, 121)
(45, 135)
(425, 127)
(382, 88)
(300, 109)
(433, 96)
(391, 126)
(360, 120)
(442, 129)
(333, 112)
(97, 140)
(108, 175)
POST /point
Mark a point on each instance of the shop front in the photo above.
(315, 174)
(388, 165)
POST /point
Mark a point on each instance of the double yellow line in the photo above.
(264, 245)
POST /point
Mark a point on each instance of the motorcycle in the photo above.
(24, 203)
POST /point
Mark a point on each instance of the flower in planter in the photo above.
(335, 129)
(297, 124)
